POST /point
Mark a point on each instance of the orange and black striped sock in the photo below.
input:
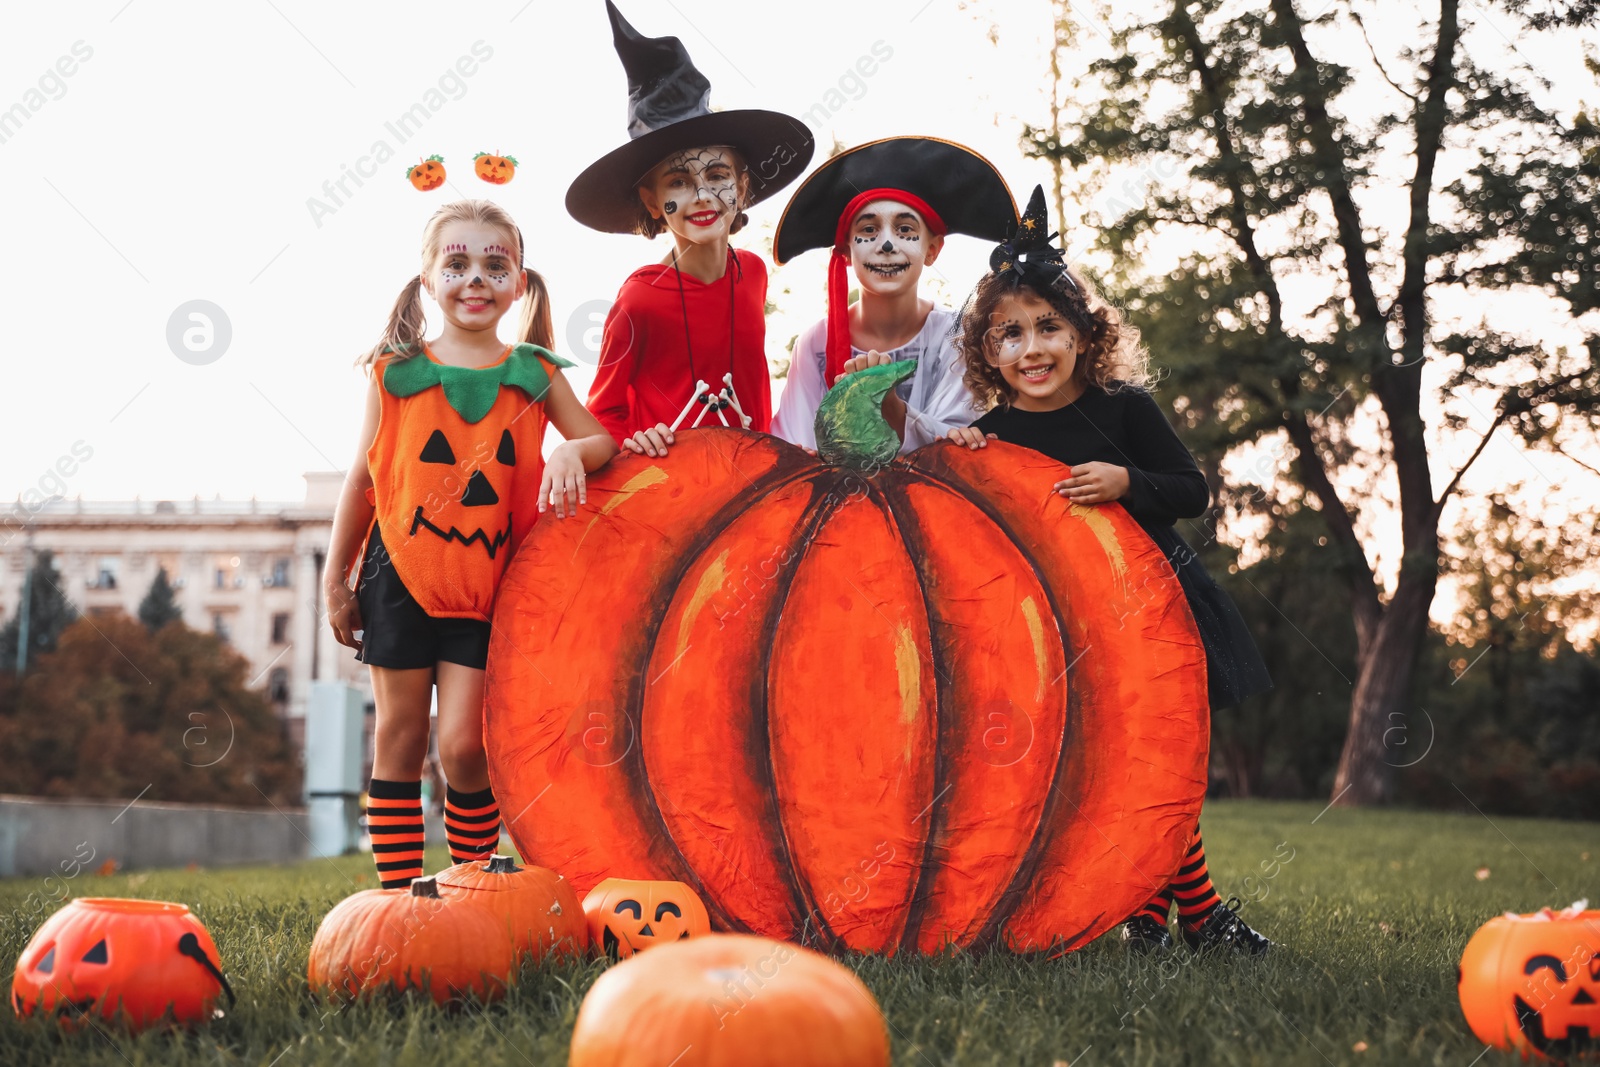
(394, 819)
(1197, 897)
(1159, 907)
(471, 824)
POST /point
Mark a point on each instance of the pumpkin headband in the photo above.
(428, 174)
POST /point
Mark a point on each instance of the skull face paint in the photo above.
(475, 279)
(697, 193)
(889, 245)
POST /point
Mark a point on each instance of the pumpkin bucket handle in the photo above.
(189, 945)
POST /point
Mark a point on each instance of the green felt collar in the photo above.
(471, 391)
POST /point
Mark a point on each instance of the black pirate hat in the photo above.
(954, 188)
(964, 190)
(669, 111)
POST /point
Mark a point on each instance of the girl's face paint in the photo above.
(889, 246)
(476, 278)
(1035, 350)
(697, 192)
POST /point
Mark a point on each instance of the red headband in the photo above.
(838, 271)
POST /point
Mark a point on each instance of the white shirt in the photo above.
(936, 399)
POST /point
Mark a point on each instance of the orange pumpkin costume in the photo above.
(456, 464)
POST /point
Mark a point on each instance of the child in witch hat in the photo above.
(884, 209)
(1066, 376)
(699, 316)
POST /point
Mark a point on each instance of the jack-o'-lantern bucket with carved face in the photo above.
(628, 916)
(138, 961)
(1531, 983)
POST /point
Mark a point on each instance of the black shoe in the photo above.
(1224, 929)
(1144, 934)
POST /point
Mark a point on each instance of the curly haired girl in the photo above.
(1063, 374)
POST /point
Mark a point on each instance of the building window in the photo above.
(226, 573)
(279, 578)
(222, 626)
(280, 628)
(105, 576)
(278, 686)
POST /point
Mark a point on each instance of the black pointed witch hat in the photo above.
(669, 110)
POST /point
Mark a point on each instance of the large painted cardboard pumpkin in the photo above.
(858, 700)
(727, 1000)
(449, 944)
(148, 960)
(539, 907)
(626, 916)
(1531, 983)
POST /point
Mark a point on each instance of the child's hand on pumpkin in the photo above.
(970, 436)
(1095, 483)
(563, 486)
(873, 358)
(651, 442)
(344, 614)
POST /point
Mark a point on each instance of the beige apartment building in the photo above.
(248, 571)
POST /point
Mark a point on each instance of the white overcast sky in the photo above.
(176, 161)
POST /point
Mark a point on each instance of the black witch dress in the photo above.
(1128, 429)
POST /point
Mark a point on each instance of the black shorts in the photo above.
(397, 633)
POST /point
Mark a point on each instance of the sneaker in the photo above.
(1144, 934)
(1224, 929)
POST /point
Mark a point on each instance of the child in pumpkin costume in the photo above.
(451, 468)
(884, 209)
(700, 314)
(1068, 376)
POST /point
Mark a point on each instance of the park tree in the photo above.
(1404, 213)
(159, 605)
(117, 711)
(49, 613)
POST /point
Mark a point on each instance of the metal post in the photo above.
(25, 611)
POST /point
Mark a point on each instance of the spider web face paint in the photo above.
(888, 247)
(698, 190)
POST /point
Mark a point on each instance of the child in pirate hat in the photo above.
(698, 316)
(884, 209)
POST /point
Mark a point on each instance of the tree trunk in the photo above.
(1380, 706)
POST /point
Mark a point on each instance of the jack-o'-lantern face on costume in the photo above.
(698, 193)
(890, 243)
(466, 482)
(627, 916)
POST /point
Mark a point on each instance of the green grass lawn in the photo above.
(1370, 915)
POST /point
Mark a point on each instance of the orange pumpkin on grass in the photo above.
(393, 940)
(726, 1000)
(427, 174)
(497, 170)
(627, 916)
(1531, 984)
(873, 702)
(147, 960)
(541, 911)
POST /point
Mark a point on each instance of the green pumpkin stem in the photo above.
(851, 429)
